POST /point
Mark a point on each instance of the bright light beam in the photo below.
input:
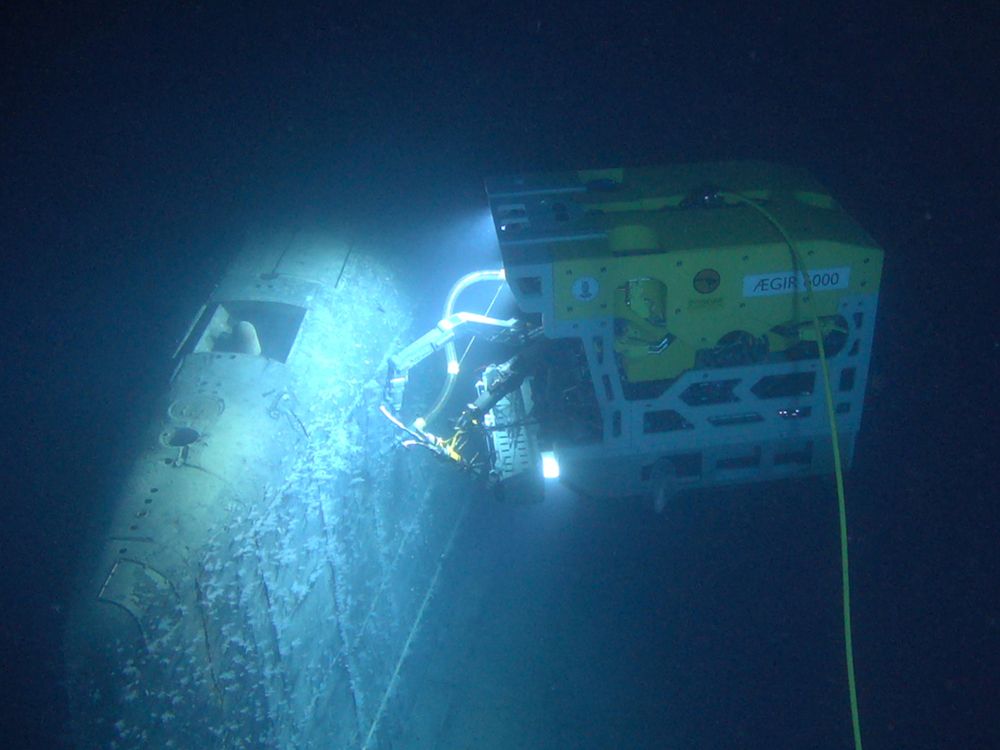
(550, 466)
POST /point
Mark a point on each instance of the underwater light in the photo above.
(550, 466)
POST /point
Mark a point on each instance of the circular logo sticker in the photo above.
(586, 288)
(706, 281)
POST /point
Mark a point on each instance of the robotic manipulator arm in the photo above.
(442, 337)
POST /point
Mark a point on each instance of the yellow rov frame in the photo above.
(668, 335)
(680, 319)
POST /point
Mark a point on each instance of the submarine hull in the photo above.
(269, 551)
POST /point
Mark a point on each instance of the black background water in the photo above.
(141, 144)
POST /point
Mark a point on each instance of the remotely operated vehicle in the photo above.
(674, 326)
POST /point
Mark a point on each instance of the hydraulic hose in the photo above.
(837, 464)
(450, 353)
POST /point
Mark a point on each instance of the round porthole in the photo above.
(178, 437)
(195, 408)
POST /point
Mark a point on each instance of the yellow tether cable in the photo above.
(837, 466)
